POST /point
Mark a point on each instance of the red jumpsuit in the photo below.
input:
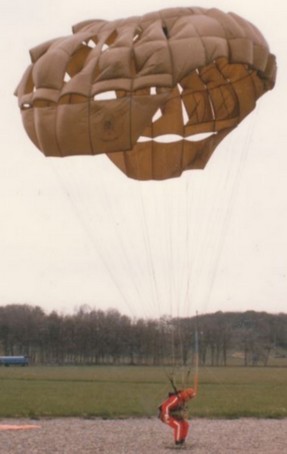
(176, 402)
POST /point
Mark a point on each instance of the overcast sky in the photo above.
(76, 231)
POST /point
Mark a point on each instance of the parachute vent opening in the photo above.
(109, 41)
(67, 77)
(180, 88)
(185, 116)
(173, 138)
(137, 35)
(105, 96)
(157, 115)
(168, 138)
(91, 43)
(26, 106)
(200, 136)
(143, 139)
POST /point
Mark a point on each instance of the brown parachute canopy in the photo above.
(124, 87)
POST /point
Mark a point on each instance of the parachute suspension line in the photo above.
(187, 242)
(198, 255)
(170, 368)
(193, 364)
(204, 227)
(169, 231)
(181, 354)
(177, 372)
(196, 357)
(173, 352)
(179, 227)
(183, 231)
(195, 199)
(86, 228)
(124, 250)
(176, 226)
(155, 303)
(177, 206)
(147, 240)
(231, 186)
(208, 251)
(212, 224)
(189, 234)
(184, 367)
(231, 180)
(172, 382)
(173, 259)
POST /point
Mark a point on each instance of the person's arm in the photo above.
(167, 406)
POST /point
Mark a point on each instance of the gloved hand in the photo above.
(164, 418)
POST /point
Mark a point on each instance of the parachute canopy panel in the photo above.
(156, 93)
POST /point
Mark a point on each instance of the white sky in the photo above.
(76, 231)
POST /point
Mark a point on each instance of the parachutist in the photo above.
(173, 412)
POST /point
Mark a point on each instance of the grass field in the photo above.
(120, 392)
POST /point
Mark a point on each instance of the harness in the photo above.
(179, 412)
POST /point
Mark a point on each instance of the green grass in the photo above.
(120, 392)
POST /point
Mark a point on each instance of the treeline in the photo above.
(107, 337)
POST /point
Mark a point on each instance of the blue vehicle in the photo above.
(14, 361)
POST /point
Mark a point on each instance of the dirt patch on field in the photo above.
(142, 436)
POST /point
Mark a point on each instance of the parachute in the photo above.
(155, 93)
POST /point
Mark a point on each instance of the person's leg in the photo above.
(178, 429)
(184, 429)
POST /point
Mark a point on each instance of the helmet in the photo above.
(187, 393)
